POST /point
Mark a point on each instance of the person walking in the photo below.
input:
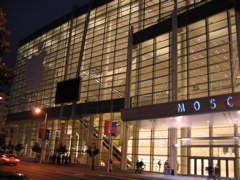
(53, 159)
(217, 171)
(166, 168)
(159, 165)
(50, 159)
(58, 159)
(110, 165)
(141, 167)
(63, 158)
(210, 173)
(66, 159)
(137, 167)
(69, 159)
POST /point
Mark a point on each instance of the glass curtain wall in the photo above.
(207, 62)
(207, 65)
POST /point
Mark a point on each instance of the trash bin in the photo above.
(172, 172)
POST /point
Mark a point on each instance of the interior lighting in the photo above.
(208, 121)
(179, 118)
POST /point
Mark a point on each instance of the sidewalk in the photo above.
(129, 173)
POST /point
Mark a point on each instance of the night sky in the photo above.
(26, 16)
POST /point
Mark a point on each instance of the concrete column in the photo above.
(28, 138)
(152, 149)
(127, 103)
(81, 137)
(23, 136)
(135, 145)
(63, 131)
(15, 139)
(51, 149)
(100, 139)
(173, 149)
(74, 138)
(210, 137)
(184, 153)
(237, 161)
(174, 73)
(90, 136)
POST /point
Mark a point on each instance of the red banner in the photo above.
(106, 127)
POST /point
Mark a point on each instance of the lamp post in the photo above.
(39, 110)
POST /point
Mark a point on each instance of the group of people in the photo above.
(139, 167)
(60, 159)
(213, 173)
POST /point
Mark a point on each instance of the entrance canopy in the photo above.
(199, 120)
(206, 109)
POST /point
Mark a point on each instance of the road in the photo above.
(37, 171)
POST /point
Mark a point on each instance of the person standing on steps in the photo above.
(159, 165)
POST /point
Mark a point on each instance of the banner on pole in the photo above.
(106, 127)
(114, 129)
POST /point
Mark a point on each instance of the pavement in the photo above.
(131, 173)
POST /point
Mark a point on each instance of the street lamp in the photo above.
(37, 111)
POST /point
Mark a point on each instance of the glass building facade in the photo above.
(195, 57)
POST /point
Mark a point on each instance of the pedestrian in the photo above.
(58, 159)
(69, 159)
(53, 159)
(137, 167)
(217, 171)
(38, 158)
(159, 165)
(141, 167)
(50, 159)
(110, 165)
(166, 168)
(210, 172)
(63, 159)
(66, 159)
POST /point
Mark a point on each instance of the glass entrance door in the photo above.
(198, 166)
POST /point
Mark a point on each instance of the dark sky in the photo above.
(26, 16)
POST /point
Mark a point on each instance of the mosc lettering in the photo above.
(212, 104)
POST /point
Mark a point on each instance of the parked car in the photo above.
(7, 175)
(9, 159)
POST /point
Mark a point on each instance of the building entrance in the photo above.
(198, 166)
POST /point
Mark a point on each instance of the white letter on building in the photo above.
(181, 107)
(228, 101)
(196, 105)
(213, 104)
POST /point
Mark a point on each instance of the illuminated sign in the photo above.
(212, 104)
(227, 102)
